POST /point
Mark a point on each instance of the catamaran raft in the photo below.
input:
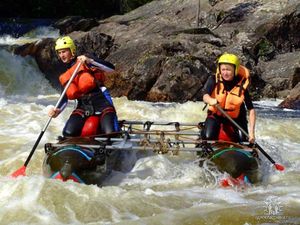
(90, 160)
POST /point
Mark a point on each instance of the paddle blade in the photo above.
(241, 181)
(20, 172)
(279, 167)
(224, 183)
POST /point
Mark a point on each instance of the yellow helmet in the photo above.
(230, 59)
(65, 42)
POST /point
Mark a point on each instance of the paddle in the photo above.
(277, 166)
(21, 171)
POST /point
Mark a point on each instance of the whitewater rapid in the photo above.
(160, 189)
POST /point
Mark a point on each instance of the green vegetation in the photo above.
(265, 47)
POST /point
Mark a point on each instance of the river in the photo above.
(160, 189)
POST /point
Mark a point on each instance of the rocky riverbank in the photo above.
(162, 55)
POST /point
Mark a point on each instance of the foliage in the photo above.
(265, 49)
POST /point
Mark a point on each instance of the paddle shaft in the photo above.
(245, 133)
(50, 118)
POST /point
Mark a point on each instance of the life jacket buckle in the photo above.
(88, 110)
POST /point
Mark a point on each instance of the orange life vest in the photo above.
(85, 80)
(231, 101)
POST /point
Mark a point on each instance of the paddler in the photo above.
(95, 112)
(228, 89)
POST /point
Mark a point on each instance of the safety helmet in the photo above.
(230, 59)
(65, 42)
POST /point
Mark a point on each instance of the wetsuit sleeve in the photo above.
(102, 62)
(105, 63)
(209, 85)
(248, 100)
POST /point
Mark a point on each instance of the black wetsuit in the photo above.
(212, 123)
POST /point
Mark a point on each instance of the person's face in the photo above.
(65, 55)
(227, 71)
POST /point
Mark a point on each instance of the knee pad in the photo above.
(226, 133)
(90, 126)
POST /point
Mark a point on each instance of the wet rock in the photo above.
(293, 100)
(285, 34)
(281, 73)
(161, 55)
(179, 80)
(75, 23)
(145, 75)
(269, 91)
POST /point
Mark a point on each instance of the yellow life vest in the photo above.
(230, 101)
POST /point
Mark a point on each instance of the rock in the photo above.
(283, 94)
(293, 100)
(285, 33)
(145, 75)
(281, 73)
(75, 23)
(179, 80)
(269, 91)
(161, 55)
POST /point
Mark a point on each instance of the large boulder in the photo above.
(280, 74)
(161, 55)
(75, 23)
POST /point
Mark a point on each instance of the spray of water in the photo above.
(21, 77)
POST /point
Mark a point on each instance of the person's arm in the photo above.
(99, 63)
(252, 116)
(252, 121)
(207, 91)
